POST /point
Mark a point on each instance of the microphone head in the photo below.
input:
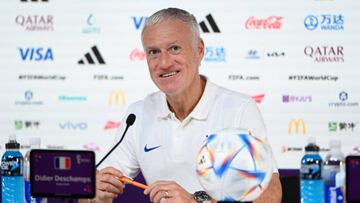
(130, 119)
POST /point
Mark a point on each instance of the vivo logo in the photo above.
(138, 22)
(73, 125)
(36, 54)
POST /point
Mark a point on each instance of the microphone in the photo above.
(129, 122)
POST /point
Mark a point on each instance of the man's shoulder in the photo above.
(150, 99)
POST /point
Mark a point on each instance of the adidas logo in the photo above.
(89, 57)
(212, 23)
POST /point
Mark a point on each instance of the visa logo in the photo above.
(73, 126)
(138, 22)
(36, 54)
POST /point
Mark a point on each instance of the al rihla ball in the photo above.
(234, 165)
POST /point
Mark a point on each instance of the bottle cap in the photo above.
(311, 146)
(12, 144)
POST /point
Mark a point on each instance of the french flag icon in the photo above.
(62, 163)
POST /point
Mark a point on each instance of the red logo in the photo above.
(91, 146)
(137, 54)
(271, 22)
(111, 125)
(258, 98)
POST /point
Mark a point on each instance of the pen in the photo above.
(132, 182)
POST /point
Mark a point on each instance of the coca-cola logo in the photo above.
(137, 54)
(271, 22)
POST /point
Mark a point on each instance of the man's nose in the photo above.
(165, 60)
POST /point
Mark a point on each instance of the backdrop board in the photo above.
(69, 69)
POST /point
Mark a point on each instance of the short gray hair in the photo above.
(174, 14)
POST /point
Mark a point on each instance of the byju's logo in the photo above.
(35, 22)
(90, 56)
(91, 26)
(215, 54)
(114, 98)
(334, 126)
(343, 97)
(325, 22)
(211, 22)
(28, 96)
(297, 99)
(325, 54)
(298, 125)
(137, 55)
(139, 21)
(269, 23)
(20, 124)
(36, 54)
(92, 146)
(68, 125)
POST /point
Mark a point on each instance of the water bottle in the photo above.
(311, 183)
(332, 167)
(12, 179)
(34, 144)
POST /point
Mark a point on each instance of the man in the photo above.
(172, 124)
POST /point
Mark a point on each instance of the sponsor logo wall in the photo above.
(68, 73)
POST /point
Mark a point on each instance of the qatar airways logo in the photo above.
(325, 54)
(35, 22)
(269, 23)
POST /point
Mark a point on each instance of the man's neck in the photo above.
(183, 104)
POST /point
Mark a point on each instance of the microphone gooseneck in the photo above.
(129, 122)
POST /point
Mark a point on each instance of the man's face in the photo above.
(172, 56)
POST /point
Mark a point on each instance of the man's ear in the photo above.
(201, 48)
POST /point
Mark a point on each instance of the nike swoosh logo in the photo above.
(146, 149)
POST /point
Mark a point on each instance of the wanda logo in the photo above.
(271, 22)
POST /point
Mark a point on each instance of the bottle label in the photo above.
(333, 195)
(12, 166)
(311, 171)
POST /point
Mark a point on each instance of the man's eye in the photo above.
(175, 49)
(153, 52)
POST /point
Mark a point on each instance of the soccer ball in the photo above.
(234, 165)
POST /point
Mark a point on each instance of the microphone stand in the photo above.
(129, 122)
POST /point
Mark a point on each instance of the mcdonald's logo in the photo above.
(116, 97)
(299, 126)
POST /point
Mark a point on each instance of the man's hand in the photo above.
(272, 193)
(108, 185)
(169, 192)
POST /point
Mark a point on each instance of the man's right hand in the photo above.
(108, 185)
